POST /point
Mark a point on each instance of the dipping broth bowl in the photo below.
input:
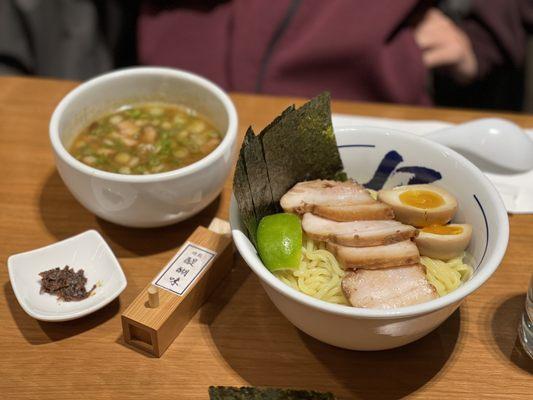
(385, 158)
(144, 200)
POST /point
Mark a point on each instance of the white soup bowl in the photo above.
(144, 200)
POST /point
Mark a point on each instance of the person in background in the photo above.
(408, 51)
(497, 31)
(71, 39)
(381, 50)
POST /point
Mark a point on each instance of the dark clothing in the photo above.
(74, 39)
(357, 49)
(498, 31)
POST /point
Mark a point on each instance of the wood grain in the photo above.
(238, 337)
(153, 329)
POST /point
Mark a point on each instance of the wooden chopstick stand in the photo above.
(161, 311)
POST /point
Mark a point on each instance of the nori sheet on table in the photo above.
(251, 393)
(298, 145)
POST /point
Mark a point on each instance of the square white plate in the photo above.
(88, 251)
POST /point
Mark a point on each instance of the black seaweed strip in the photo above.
(256, 171)
(301, 146)
(289, 110)
(243, 195)
(258, 393)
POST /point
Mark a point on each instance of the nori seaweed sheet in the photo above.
(301, 146)
(256, 169)
(243, 194)
(298, 145)
(251, 393)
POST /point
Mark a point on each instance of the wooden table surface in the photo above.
(238, 337)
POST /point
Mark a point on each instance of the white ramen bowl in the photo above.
(144, 200)
(391, 158)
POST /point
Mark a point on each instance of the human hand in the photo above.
(445, 45)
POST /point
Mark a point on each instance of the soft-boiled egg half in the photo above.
(444, 241)
(420, 205)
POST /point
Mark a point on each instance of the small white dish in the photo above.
(87, 251)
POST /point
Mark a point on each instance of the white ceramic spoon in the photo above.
(489, 143)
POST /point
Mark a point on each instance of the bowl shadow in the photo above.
(41, 332)
(63, 217)
(132, 242)
(225, 291)
(60, 212)
(390, 374)
(265, 349)
(502, 320)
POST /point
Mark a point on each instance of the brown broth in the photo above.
(146, 138)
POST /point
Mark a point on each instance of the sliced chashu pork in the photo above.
(376, 257)
(356, 233)
(388, 288)
(338, 201)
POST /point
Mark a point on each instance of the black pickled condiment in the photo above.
(65, 283)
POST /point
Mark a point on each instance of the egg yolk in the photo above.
(421, 199)
(443, 229)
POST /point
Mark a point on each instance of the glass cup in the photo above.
(525, 330)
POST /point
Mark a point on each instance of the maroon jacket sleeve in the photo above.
(526, 10)
(496, 30)
(356, 49)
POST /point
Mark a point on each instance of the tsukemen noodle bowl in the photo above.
(384, 159)
(146, 146)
